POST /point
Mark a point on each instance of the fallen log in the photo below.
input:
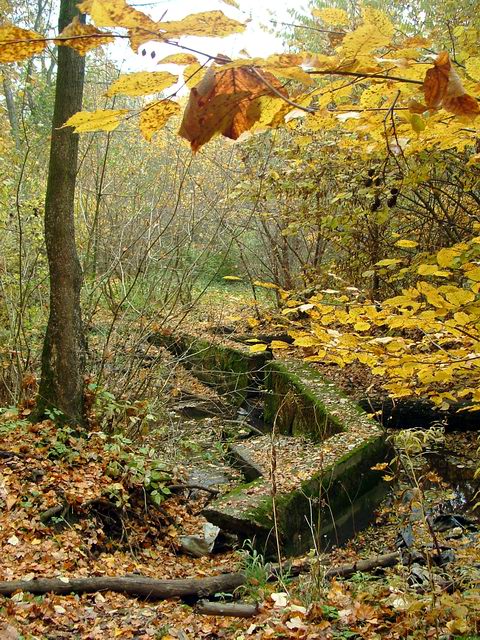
(139, 586)
(346, 570)
(234, 609)
(144, 587)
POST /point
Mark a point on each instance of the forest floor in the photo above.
(105, 525)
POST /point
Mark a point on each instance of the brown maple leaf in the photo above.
(442, 87)
(225, 102)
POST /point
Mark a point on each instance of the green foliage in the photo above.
(138, 466)
(256, 570)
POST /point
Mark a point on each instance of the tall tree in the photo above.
(63, 357)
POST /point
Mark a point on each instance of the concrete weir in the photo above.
(313, 482)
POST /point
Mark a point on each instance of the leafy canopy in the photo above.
(405, 101)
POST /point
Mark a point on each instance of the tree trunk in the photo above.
(63, 357)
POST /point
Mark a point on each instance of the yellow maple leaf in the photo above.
(142, 83)
(82, 37)
(101, 120)
(17, 44)
(155, 115)
(375, 32)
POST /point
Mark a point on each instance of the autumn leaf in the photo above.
(179, 58)
(224, 102)
(82, 37)
(141, 83)
(442, 87)
(279, 344)
(208, 24)
(116, 13)
(406, 244)
(102, 120)
(258, 348)
(436, 81)
(193, 74)
(275, 62)
(416, 107)
(375, 32)
(265, 285)
(306, 341)
(17, 44)
(155, 115)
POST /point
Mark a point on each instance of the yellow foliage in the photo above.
(279, 344)
(179, 58)
(155, 115)
(447, 256)
(258, 348)
(265, 285)
(432, 270)
(142, 83)
(306, 341)
(211, 24)
(82, 37)
(472, 66)
(375, 32)
(472, 272)
(116, 13)
(194, 73)
(17, 44)
(361, 326)
(101, 120)
(407, 244)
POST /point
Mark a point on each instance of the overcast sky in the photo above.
(255, 40)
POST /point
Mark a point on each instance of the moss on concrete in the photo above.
(299, 401)
(233, 372)
(334, 501)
